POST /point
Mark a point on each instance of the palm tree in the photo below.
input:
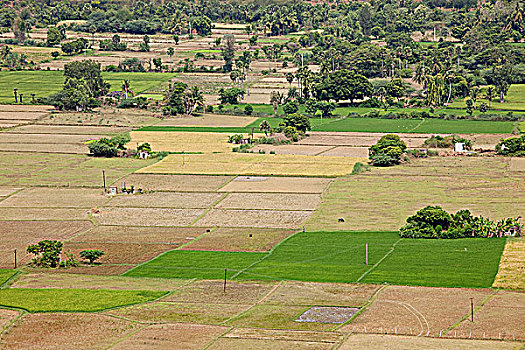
(171, 52)
(192, 97)
(449, 78)
(265, 127)
(474, 93)
(275, 100)
(125, 87)
(490, 94)
(289, 77)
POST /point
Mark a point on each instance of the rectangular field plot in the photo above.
(467, 262)
(195, 264)
(254, 218)
(134, 234)
(267, 344)
(512, 265)
(274, 201)
(183, 183)
(276, 184)
(253, 164)
(44, 147)
(42, 214)
(165, 200)
(183, 141)
(209, 120)
(6, 274)
(56, 198)
(240, 239)
(70, 130)
(304, 150)
(148, 216)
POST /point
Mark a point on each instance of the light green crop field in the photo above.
(28, 82)
(6, 274)
(340, 257)
(73, 300)
(513, 101)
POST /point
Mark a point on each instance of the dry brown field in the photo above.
(59, 331)
(48, 197)
(517, 165)
(276, 184)
(69, 280)
(147, 216)
(44, 148)
(512, 266)
(172, 336)
(271, 201)
(238, 239)
(357, 139)
(104, 117)
(287, 335)
(24, 111)
(292, 149)
(408, 310)
(144, 235)
(6, 191)
(70, 129)
(50, 139)
(183, 183)
(344, 151)
(192, 200)
(6, 316)
(209, 120)
(183, 141)
(263, 344)
(253, 218)
(42, 214)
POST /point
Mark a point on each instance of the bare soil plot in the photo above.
(357, 139)
(50, 139)
(47, 197)
(59, 331)
(512, 265)
(62, 280)
(274, 201)
(275, 334)
(97, 270)
(408, 310)
(148, 216)
(144, 235)
(42, 214)
(172, 336)
(209, 120)
(276, 184)
(45, 148)
(254, 218)
(517, 164)
(292, 149)
(183, 141)
(70, 130)
(328, 314)
(345, 151)
(19, 234)
(369, 341)
(500, 318)
(165, 200)
(104, 117)
(212, 292)
(6, 191)
(309, 293)
(120, 253)
(181, 312)
(239, 239)
(276, 317)
(263, 344)
(184, 183)
(25, 109)
(6, 316)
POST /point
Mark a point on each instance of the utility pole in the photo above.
(225, 272)
(472, 309)
(15, 259)
(104, 178)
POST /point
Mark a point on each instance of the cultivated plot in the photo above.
(512, 265)
(272, 201)
(165, 200)
(148, 216)
(183, 183)
(254, 218)
(276, 184)
(140, 234)
(209, 120)
(183, 141)
(47, 197)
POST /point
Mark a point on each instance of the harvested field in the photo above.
(512, 265)
(19, 234)
(59, 331)
(6, 191)
(212, 292)
(369, 341)
(357, 139)
(62, 280)
(292, 149)
(184, 183)
(517, 164)
(262, 344)
(344, 151)
(42, 214)
(276, 184)
(45, 197)
(308, 293)
(181, 312)
(209, 120)
(208, 142)
(144, 235)
(96, 270)
(6, 316)
(407, 310)
(25, 108)
(275, 334)
(273, 201)
(70, 130)
(148, 216)
(120, 253)
(50, 139)
(276, 317)
(238, 239)
(103, 117)
(45, 148)
(254, 218)
(500, 318)
(253, 164)
(165, 200)
(172, 336)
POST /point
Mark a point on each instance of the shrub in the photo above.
(91, 255)
(101, 149)
(46, 252)
(209, 109)
(298, 121)
(235, 138)
(387, 151)
(512, 146)
(359, 168)
(248, 110)
(291, 107)
(384, 160)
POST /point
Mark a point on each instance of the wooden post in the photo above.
(225, 272)
(182, 158)
(104, 178)
(252, 134)
(472, 309)
(15, 259)
(366, 254)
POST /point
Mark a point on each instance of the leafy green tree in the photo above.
(176, 39)
(46, 253)
(144, 45)
(396, 88)
(253, 40)
(90, 73)
(291, 107)
(54, 36)
(92, 255)
(202, 25)
(265, 127)
(228, 52)
(387, 151)
(344, 85)
(298, 121)
(170, 52)
(512, 146)
(230, 96)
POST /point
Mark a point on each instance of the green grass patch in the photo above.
(73, 300)
(340, 257)
(45, 83)
(5, 275)
(513, 101)
(195, 264)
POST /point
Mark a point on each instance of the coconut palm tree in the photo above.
(265, 127)
(125, 87)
